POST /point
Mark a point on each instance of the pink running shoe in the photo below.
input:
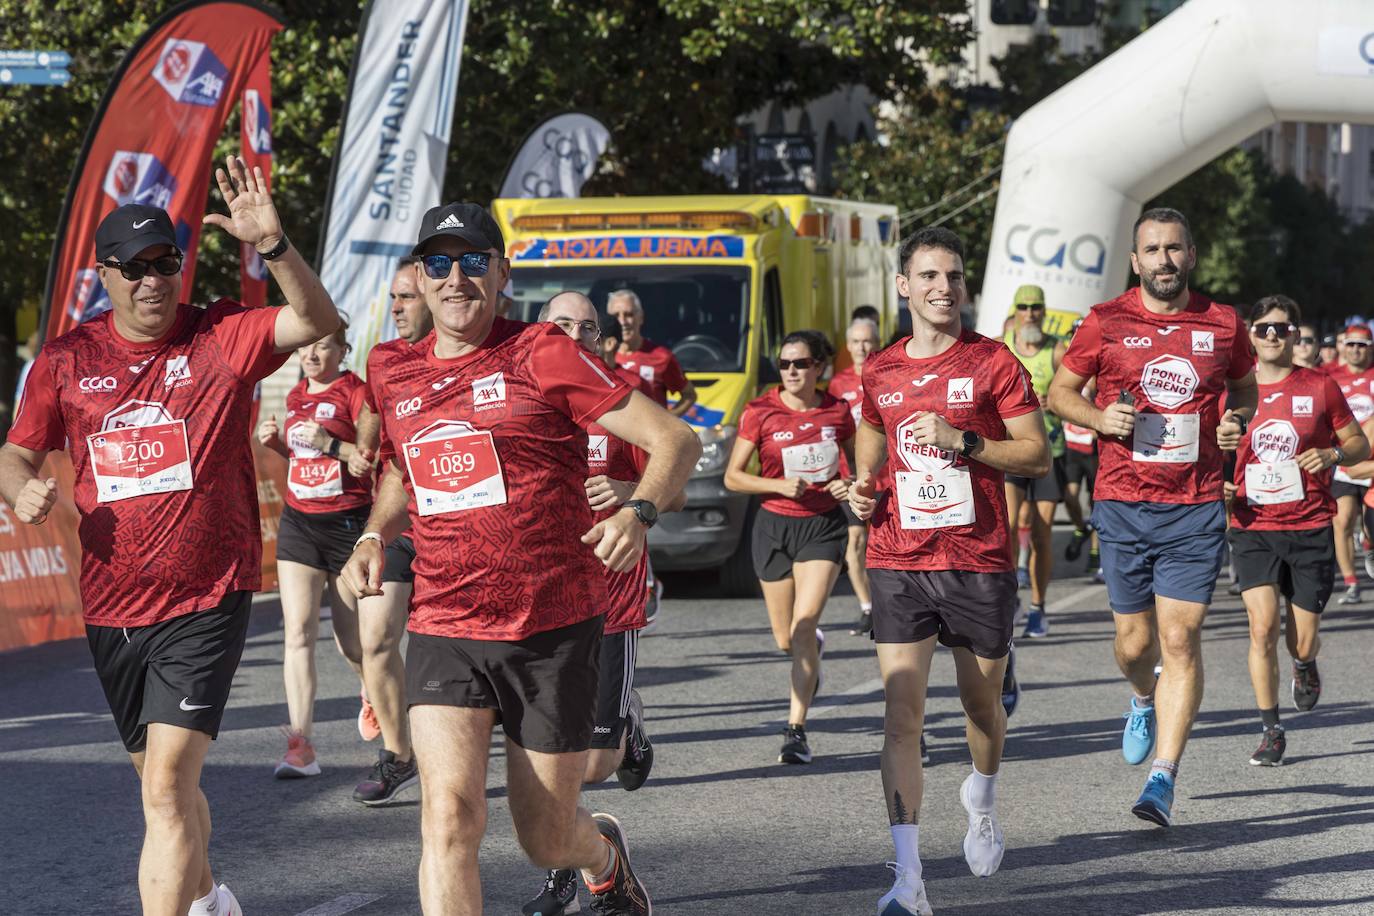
(299, 760)
(368, 726)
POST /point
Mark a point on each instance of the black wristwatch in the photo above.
(971, 440)
(334, 446)
(645, 511)
(277, 250)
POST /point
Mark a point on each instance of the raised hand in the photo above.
(252, 216)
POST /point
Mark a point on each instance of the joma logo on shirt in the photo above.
(489, 392)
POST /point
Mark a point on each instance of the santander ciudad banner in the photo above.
(153, 138)
(389, 168)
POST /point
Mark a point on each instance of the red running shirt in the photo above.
(158, 434)
(798, 443)
(848, 386)
(657, 365)
(626, 592)
(1303, 411)
(941, 511)
(315, 482)
(1176, 367)
(493, 454)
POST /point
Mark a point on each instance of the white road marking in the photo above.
(23, 721)
(340, 905)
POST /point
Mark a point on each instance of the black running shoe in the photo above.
(559, 895)
(794, 746)
(864, 626)
(389, 778)
(1307, 686)
(1011, 690)
(1272, 746)
(1074, 549)
(624, 893)
(925, 754)
(639, 751)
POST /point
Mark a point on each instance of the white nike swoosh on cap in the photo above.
(143, 222)
(186, 708)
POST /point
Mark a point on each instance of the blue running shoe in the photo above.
(1036, 626)
(1156, 802)
(1138, 737)
(1022, 577)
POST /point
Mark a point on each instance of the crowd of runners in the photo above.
(489, 487)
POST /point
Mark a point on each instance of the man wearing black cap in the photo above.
(483, 423)
(154, 398)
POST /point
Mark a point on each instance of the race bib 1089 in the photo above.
(453, 468)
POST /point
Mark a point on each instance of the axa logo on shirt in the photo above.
(324, 412)
(190, 72)
(257, 122)
(489, 392)
(891, 399)
(139, 178)
(96, 383)
(1169, 381)
(828, 433)
(1137, 343)
(1274, 440)
(1302, 405)
(959, 393)
(596, 449)
(1204, 342)
(646, 373)
(178, 372)
(407, 408)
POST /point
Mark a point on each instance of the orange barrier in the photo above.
(39, 565)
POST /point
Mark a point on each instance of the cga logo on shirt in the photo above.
(407, 408)
(1274, 440)
(489, 392)
(96, 383)
(891, 399)
(784, 436)
(1169, 381)
(1302, 405)
(1137, 343)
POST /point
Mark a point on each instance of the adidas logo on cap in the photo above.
(450, 222)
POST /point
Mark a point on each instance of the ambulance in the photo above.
(722, 280)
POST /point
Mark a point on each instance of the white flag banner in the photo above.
(557, 157)
(389, 168)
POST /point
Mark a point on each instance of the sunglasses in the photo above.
(168, 265)
(1357, 343)
(1280, 329)
(1307, 341)
(1025, 307)
(803, 364)
(472, 264)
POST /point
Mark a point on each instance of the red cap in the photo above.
(1361, 329)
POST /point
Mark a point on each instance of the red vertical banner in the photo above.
(256, 119)
(152, 140)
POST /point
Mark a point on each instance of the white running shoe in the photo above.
(228, 904)
(820, 657)
(1369, 564)
(983, 845)
(907, 897)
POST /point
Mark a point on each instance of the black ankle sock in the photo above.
(1270, 717)
(1303, 666)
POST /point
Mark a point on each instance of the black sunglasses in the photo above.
(1307, 341)
(472, 264)
(806, 362)
(168, 265)
(1024, 306)
(1357, 343)
(1280, 329)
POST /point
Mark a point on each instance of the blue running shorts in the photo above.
(1159, 549)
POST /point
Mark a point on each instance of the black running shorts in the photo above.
(969, 610)
(1301, 563)
(543, 687)
(177, 672)
(1341, 488)
(400, 555)
(1080, 468)
(1049, 488)
(619, 652)
(321, 540)
(781, 540)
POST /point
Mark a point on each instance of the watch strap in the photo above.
(277, 250)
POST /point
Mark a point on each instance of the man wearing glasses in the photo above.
(1165, 359)
(152, 401)
(482, 422)
(1355, 377)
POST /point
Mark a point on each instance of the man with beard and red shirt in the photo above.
(954, 412)
(1281, 528)
(482, 422)
(1356, 378)
(1164, 359)
(153, 402)
(619, 742)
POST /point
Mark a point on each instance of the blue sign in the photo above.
(22, 76)
(41, 60)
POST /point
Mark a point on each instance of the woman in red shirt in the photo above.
(800, 532)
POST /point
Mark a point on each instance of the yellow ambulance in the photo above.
(722, 279)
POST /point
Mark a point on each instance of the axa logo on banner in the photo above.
(257, 122)
(139, 178)
(88, 298)
(190, 72)
(1169, 381)
(1086, 253)
(1274, 440)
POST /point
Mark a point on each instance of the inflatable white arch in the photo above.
(1079, 165)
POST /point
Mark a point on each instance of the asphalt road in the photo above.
(721, 827)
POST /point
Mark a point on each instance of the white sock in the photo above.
(982, 791)
(906, 839)
(207, 905)
(866, 607)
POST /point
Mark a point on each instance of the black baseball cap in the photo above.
(1329, 340)
(469, 222)
(129, 229)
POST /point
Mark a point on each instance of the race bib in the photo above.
(454, 468)
(140, 460)
(315, 478)
(814, 462)
(1271, 483)
(1343, 477)
(1166, 438)
(939, 498)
